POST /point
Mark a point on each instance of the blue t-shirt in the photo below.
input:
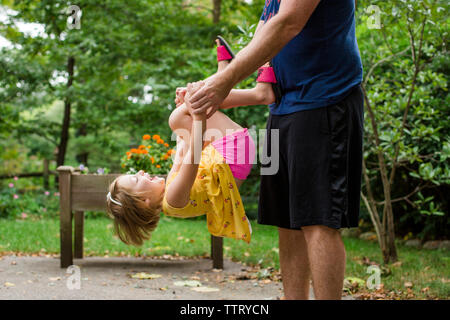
(321, 64)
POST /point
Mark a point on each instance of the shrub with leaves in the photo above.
(26, 204)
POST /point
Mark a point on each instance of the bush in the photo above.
(20, 204)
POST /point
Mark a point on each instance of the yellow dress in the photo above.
(214, 194)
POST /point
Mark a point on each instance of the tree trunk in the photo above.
(392, 249)
(82, 157)
(216, 10)
(66, 121)
(387, 225)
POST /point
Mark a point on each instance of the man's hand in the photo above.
(180, 93)
(210, 95)
(194, 87)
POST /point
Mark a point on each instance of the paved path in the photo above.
(27, 277)
(109, 278)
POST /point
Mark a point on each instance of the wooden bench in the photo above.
(87, 192)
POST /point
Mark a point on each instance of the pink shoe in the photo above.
(224, 51)
(266, 74)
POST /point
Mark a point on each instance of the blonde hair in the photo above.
(134, 220)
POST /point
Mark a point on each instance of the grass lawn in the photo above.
(419, 274)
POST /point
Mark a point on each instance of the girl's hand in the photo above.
(180, 93)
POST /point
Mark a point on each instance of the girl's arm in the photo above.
(179, 190)
(260, 95)
(179, 156)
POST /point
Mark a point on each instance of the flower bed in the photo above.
(153, 155)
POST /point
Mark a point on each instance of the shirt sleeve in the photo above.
(263, 14)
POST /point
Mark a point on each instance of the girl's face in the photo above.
(142, 182)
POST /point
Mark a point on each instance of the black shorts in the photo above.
(318, 181)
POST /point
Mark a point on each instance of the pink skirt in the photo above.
(238, 150)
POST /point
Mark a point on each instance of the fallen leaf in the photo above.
(54, 278)
(144, 275)
(9, 284)
(367, 262)
(263, 274)
(205, 289)
(244, 277)
(408, 284)
(187, 283)
(353, 284)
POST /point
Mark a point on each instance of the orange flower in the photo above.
(166, 145)
(156, 137)
(141, 147)
(160, 141)
(166, 156)
(146, 137)
(158, 166)
(153, 160)
(128, 153)
(134, 150)
(149, 147)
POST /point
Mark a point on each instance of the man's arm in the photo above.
(272, 37)
(258, 27)
(267, 42)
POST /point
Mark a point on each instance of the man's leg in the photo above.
(326, 254)
(294, 264)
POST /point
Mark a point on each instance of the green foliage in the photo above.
(28, 204)
(406, 80)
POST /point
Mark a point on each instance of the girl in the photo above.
(208, 169)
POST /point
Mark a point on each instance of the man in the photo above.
(320, 121)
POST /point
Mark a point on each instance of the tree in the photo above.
(403, 93)
(121, 50)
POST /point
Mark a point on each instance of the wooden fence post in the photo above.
(46, 174)
(65, 215)
(79, 228)
(217, 252)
